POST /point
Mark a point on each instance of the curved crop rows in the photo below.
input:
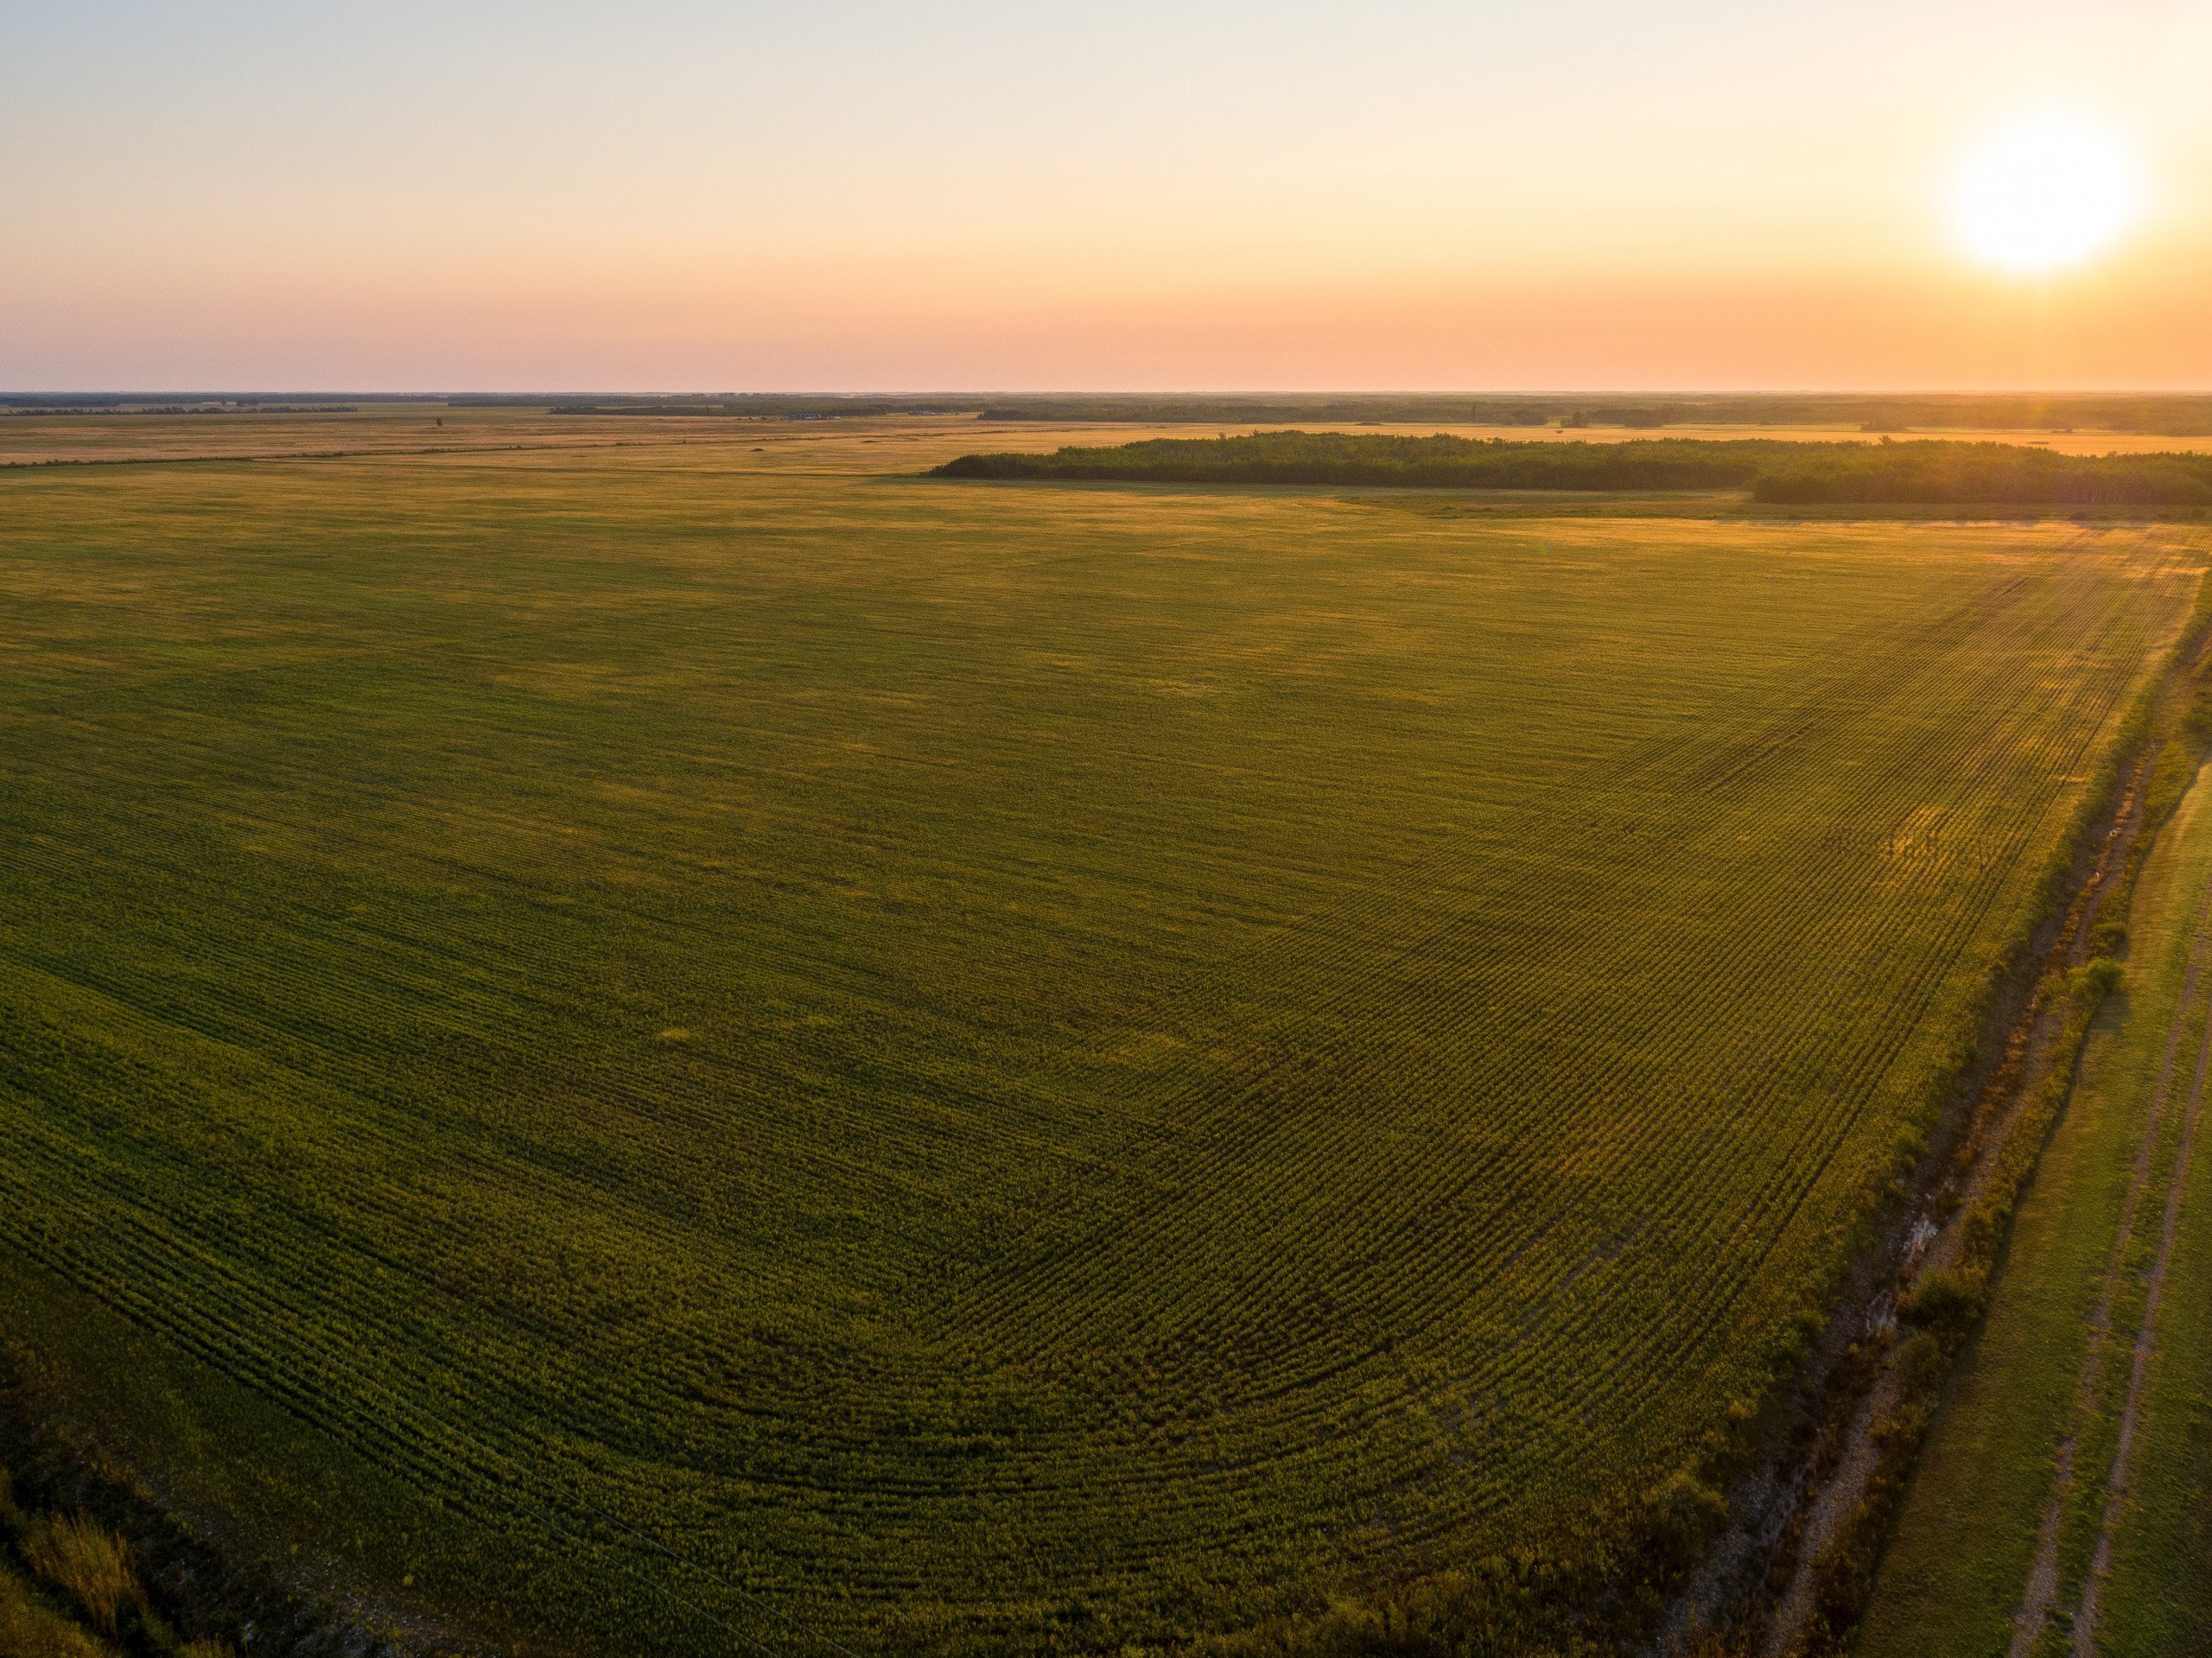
(838, 1064)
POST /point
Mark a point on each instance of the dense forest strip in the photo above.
(1783, 471)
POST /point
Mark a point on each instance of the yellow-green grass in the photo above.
(79, 1582)
(791, 1049)
(2043, 1388)
(2157, 1599)
(33, 1627)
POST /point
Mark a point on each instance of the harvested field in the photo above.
(809, 1058)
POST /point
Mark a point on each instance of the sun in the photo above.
(2046, 194)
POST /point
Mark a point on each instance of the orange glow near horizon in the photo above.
(871, 196)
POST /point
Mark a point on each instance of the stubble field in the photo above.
(806, 1056)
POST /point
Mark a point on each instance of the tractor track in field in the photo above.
(2042, 1577)
(2085, 1621)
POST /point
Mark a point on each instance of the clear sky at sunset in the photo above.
(959, 195)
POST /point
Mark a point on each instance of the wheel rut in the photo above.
(2146, 1338)
(2043, 1575)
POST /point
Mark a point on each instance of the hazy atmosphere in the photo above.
(1220, 830)
(501, 196)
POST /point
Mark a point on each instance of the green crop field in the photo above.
(722, 1045)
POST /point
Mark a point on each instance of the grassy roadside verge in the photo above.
(2158, 1598)
(2012, 1483)
(1915, 1334)
(1966, 1539)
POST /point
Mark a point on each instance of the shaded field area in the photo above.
(775, 1054)
(1782, 471)
(2060, 1504)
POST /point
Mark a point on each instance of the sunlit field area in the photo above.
(682, 1037)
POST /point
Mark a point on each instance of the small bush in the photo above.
(2094, 979)
(2196, 720)
(1920, 1361)
(1686, 1512)
(1909, 1148)
(1941, 1299)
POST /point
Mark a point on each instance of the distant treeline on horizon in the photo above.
(2172, 414)
(1918, 472)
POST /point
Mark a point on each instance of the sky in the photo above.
(853, 195)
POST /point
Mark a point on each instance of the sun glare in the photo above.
(2045, 194)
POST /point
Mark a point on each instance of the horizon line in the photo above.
(549, 394)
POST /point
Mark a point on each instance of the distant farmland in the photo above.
(697, 1048)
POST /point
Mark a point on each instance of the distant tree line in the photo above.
(1440, 461)
(2174, 413)
(1774, 470)
(45, 411)
(1937, 472)
(266, 402)
(771, 406)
